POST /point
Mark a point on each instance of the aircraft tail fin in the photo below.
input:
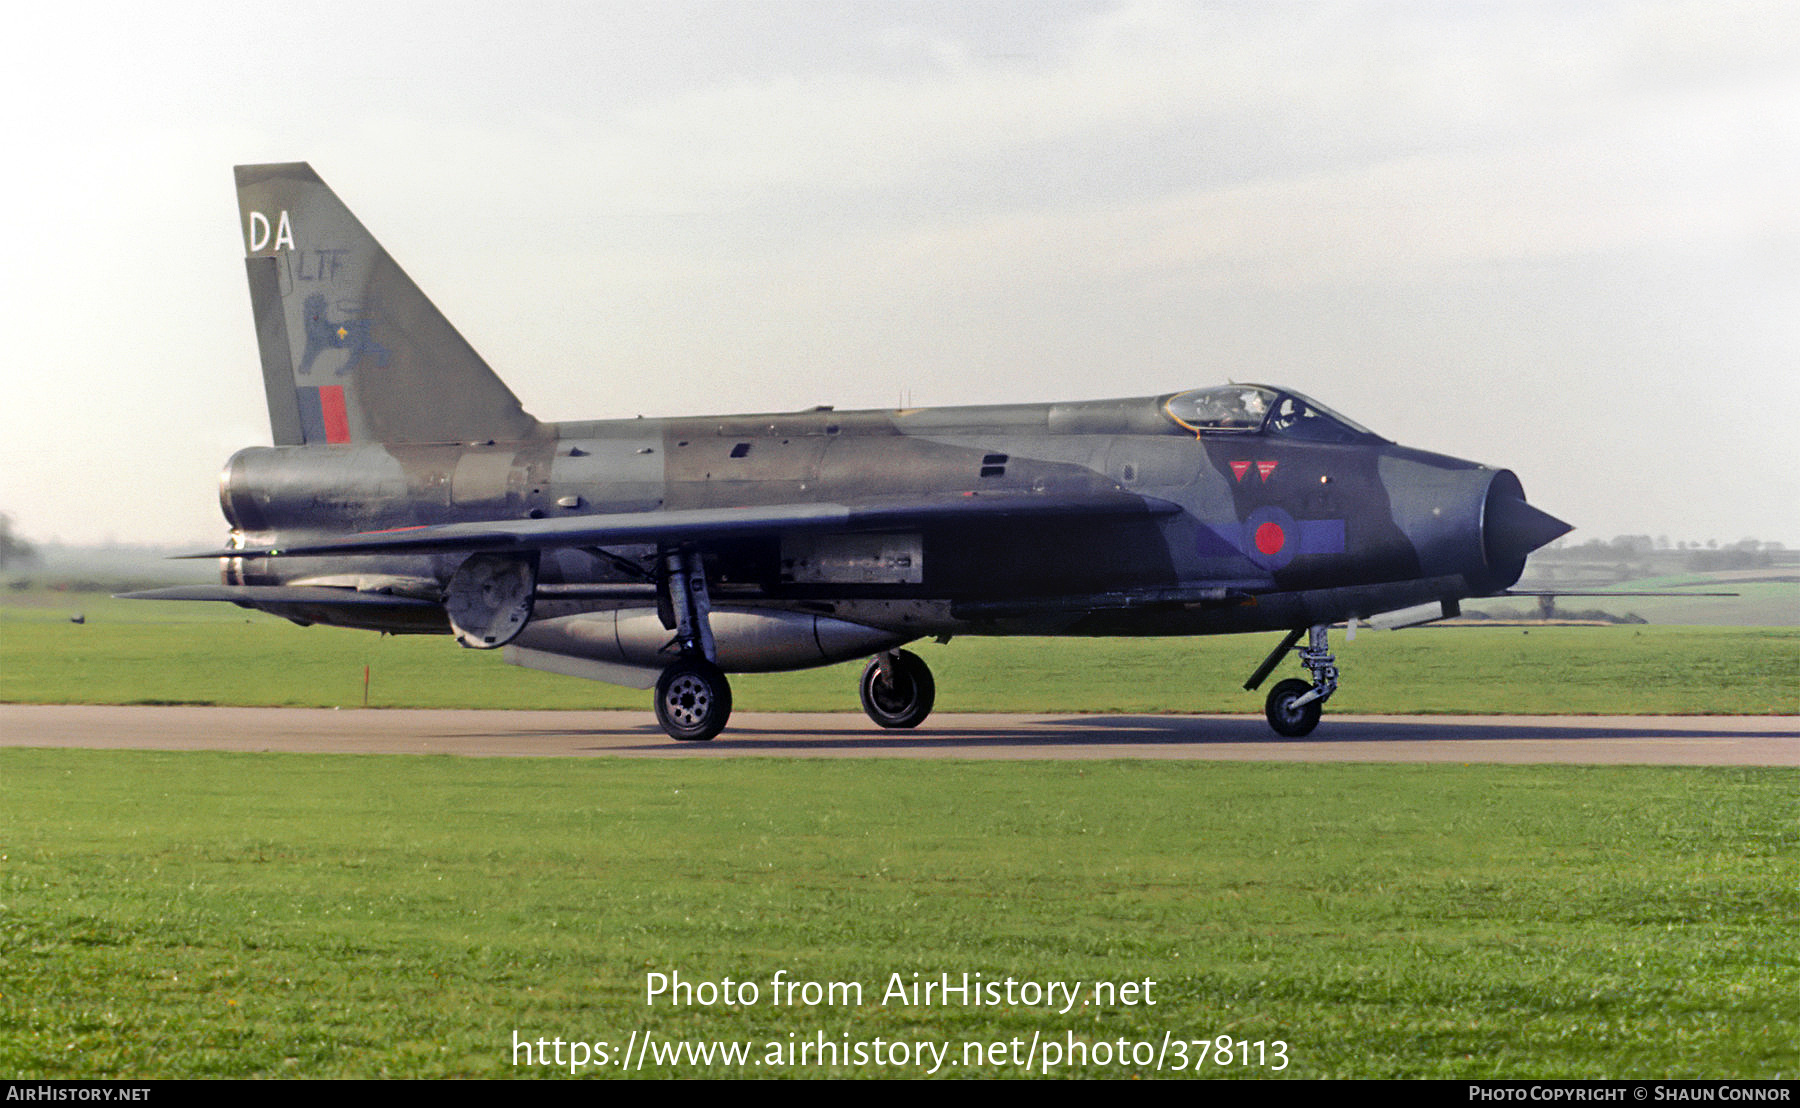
(352, 350)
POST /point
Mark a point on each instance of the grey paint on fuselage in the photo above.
(409, 491)
(650, 464)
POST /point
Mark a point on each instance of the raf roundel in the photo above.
(1269, 537)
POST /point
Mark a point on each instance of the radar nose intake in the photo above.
(1511, 529)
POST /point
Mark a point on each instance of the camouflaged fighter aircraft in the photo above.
(409, 492)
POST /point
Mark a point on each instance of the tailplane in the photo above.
(352, 351)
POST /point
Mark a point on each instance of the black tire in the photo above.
(693, 700)
(904, 701)
(1287, 720)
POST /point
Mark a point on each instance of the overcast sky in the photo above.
(1559, 237)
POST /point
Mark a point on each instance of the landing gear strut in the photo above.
(897, 689)
(1294, 706)
(693, 698)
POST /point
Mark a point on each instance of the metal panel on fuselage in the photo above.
(859, 457)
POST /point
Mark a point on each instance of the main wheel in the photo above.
(1288, 720)
(693, 700)
(905, 699)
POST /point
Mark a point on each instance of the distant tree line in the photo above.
(1744, 554)
(1703, 561)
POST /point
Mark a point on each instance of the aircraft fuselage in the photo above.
(1270, 532)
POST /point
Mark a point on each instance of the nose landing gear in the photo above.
(1294, 706)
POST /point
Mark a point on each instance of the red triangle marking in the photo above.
(1266, 469)
(1240, 469)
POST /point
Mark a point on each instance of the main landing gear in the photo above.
(897, 689)
(1294, 706)
(693, 698)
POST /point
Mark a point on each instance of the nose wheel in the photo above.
(1294, 706)
(1289, 713)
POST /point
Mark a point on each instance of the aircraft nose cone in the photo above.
(1514, 529)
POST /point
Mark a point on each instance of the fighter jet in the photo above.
(408, 491)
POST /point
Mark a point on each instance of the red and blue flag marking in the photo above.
(1272, 538)
(324, 416)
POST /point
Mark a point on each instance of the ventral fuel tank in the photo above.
(631, 647)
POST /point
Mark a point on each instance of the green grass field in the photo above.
(140, 652)
(204, 914)
(207, 914)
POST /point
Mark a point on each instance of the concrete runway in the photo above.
(1595, 740)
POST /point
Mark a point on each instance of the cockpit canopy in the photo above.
(1257, 409)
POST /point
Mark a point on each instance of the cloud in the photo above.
(730, 206)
